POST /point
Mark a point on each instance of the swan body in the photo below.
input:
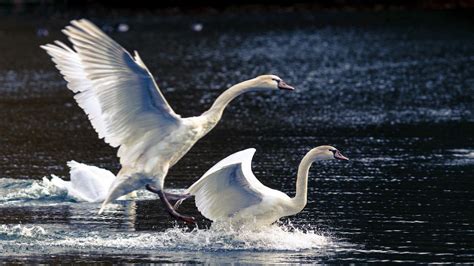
(127, 109)
(87, 183)
(229, 191)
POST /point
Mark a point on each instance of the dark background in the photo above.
(177, 6)
(390, 83)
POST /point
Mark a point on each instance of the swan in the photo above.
(127, 109)
(87, 183)
(229, 191)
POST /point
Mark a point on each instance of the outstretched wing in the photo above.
(116, 90)
(228, 187)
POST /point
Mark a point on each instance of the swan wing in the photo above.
(88, 183)
(228, 187)
(115, 89)
(90, 179)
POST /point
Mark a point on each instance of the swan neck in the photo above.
(300, 199)
(227, 96)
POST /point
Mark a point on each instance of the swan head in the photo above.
(271, 82)
(327, 152)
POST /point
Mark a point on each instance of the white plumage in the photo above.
(229, 191)
(87, 183)
(128, 110)
(228, 187)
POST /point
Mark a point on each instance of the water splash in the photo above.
(44, 192)
(15, 191)
(271, 244)
(217, 238)
(18, 231)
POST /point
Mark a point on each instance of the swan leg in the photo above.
(182, 198)
(176, 197)
(169, 207)
(178, 203)
(168, 195)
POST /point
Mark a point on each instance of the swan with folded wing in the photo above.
(126, 108)
(229, 191)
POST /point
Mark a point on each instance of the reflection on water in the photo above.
(396, 99)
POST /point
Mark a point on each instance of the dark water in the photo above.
(393, 91)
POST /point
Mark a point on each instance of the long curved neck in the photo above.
(215, 112)
(300, 199)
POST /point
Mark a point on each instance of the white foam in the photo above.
(217, 238)
(28, 190)
(24, 192)
(19, 231)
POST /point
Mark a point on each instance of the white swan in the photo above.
(87, 183)
(127, 109)
(229, 191)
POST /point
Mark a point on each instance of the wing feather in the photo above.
(228, 187)
(116, 90)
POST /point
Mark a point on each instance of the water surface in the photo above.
(393, 91)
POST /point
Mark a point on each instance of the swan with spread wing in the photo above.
(127, 109)
(229, 191)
